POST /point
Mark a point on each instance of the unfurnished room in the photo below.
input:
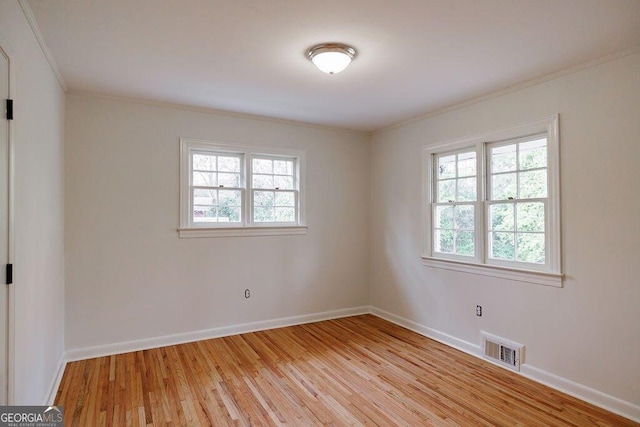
(272, 212)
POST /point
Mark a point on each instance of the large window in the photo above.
(493, 204)
(517, 199)
(229, 190)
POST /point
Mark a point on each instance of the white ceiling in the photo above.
(247, 56)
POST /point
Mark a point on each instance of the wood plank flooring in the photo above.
(354, 371)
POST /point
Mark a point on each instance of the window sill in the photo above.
(200, 232)
(529, 276)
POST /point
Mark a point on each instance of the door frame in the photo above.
(6, 50)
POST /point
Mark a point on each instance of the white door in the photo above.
(4, 225)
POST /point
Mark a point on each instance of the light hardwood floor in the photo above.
(352, 371)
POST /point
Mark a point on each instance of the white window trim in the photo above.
(188, 229)
(552, 276)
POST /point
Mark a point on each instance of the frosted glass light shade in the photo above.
(331, 58)
(331, 62)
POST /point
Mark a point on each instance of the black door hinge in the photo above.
(9, 274)
(9, 109)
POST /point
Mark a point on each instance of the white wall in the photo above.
(130, 277)
(39, 211)
(587, 332)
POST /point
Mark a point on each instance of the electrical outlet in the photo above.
(479, 310)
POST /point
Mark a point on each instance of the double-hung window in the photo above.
(217, 182)
(274, 192)
(455, 204)
(493, 204)
(231, 190)
(517, 201)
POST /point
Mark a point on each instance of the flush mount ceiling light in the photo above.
(331, 58)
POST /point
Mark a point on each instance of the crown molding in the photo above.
(28, 13)
(207, 110)
(515, 88)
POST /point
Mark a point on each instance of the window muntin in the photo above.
(456, 196)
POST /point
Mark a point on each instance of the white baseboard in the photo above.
(147, 343)
(55, 382)
(447, 339)
(580, 391)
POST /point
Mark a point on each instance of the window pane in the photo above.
(204, 162)
(465, 243)
(205, 178)
(447, 190)
(283, 182)
(228, 164)
(533, 154)
(464, 218)
(228, 214)
(263, 215)
(501, 217)
(229, 179)
(503, 159)
(533, 184)
(205, 197)
(466, 190)
(444, 217)
(467, 164)
(205, 214)
(262, 166)
(502, 245)
(229, 198)
(263, 198)
(444, 241)
(530, 216)
(285, 215)
(283, 167)
(531, 247)
(503, 186)
(285, 198)
(263, 181)
(447, 167)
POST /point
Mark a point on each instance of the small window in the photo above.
(240, 190)
(494, 205)
(216, 189)
(274, 189)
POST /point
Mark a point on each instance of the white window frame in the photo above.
(252, 190)
(246, 227)
(241, 188)
(477, 205)
(549, 274)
